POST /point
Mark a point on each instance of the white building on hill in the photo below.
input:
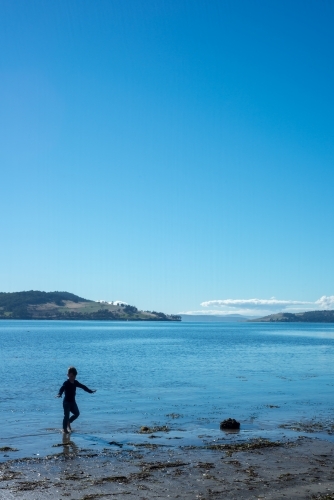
(113, 302)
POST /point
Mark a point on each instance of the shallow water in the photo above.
(261, 374)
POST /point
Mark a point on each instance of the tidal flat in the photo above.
(300, 469)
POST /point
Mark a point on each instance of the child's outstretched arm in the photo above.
(85, 388)
(61, 390)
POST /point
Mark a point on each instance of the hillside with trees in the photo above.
(35, 304)
(303, 317)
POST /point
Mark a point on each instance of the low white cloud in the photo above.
(213, 312)
(261, 307)
(254, 303)
(325, 302)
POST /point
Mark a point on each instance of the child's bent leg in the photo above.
(67, 408)
(75, 411)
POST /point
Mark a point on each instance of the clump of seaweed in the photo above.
(327, 496)
(140, 475)
(73, 477)
(151, 446)
(111, 479)
(162, 465)
(8, 448)
(31, 485)
(310, 426)
(251, 472)
(286, 477)
(10, 475)
(94, 496)
(236, 463)
(205, 465)
(248, 446)
(151, 430)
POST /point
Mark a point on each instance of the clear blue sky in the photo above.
(167, 153)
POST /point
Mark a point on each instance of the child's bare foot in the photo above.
(69, 428)
(65, 431)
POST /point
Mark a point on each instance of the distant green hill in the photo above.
(67, 306)
(304, 317)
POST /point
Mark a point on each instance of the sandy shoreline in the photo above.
(301, 468)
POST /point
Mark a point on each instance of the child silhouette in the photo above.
(69, 404)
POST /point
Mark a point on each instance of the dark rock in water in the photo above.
(229, 423)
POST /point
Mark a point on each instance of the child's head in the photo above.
(72, 373)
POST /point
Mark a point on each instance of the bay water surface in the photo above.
(186, 376)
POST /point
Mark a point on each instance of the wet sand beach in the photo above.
(300, 469)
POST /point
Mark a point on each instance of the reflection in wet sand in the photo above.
(70, 448)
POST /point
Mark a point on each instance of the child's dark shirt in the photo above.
(70, 389)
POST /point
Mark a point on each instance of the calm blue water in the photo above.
(143, 372)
